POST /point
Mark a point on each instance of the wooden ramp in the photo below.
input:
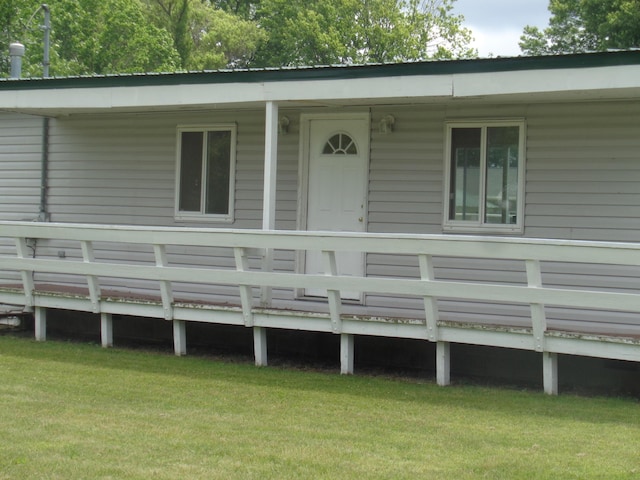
(239, 291)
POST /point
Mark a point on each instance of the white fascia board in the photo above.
(74, 98)
(220, 94)
(546, 81)
(589, 82)
(419, 86)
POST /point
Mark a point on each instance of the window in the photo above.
(340, 144)
(206, 159)
(484, 176)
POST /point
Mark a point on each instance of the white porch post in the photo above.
(269, 188)
(180, 337)
(41, 324)
(268, 218)
(346, 354)
(260, 346)
(270, 166)
(550, 372)
(443, 363)
(106, 329)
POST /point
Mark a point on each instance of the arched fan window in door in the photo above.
(340, 144)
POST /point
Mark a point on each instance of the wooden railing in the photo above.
(244, 242)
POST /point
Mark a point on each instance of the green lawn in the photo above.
(76, 411)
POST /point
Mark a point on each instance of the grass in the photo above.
(76, 411)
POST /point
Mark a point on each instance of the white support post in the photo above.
(41, 324)
(180, 337)
(430, 303)
(443, 363)
(260, 346)
(269, 188)
(270, 166)
(346, 354)
(550, 373)
(106, 329)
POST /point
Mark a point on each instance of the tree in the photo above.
(583, 26)
(205, 36)
(89, 36)
(173, 16)
(245, 9)
(359, 31)
(124, 36)
(22, 21)
(223, 40)
(8, 21)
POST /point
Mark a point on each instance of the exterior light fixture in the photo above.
(283, 125)
(386, 124)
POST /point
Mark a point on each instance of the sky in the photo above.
(498, 24)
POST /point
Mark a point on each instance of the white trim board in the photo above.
(525, 85)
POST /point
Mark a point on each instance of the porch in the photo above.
(82, 277)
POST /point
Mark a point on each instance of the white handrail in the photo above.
(615, 253)
(530, 251)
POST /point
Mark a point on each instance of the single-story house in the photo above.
(490, 202)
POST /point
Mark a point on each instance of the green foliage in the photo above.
(223, 40)
(14, 17)
(90, 36)
(245, 9)
(585, 25)
(123, 36)
(354, 31)
(206, 37)
(173, 16)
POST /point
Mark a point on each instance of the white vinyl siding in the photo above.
(20, 165)
(582, 182)
(405, 177)
(583, 171)
(121, 169)
(113, 169)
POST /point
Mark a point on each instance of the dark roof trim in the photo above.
(335, 72)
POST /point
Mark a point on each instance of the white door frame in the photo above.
(303, 174)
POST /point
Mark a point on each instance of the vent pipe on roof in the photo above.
(16, 52)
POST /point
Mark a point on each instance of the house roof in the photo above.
(546, 78)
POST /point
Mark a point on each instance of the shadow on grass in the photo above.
(240, 370)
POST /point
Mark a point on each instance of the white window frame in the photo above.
(201, 216)
(479, 226)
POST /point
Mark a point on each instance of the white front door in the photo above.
(338, 156)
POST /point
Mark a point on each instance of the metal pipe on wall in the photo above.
(43, 215)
